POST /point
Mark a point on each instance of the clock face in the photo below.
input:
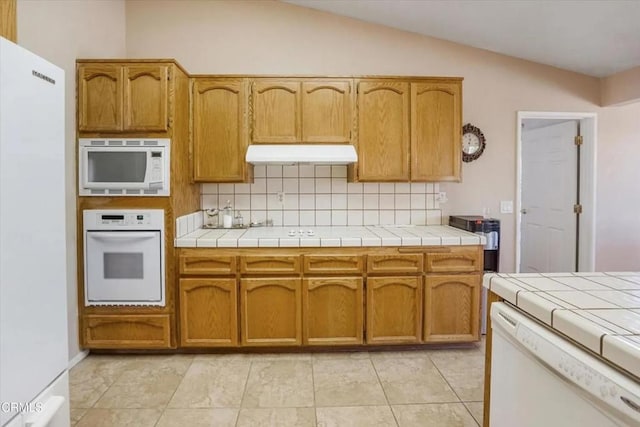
(470, 143)
(473, 143)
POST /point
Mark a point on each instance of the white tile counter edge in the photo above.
(614, 342)
(359, 236)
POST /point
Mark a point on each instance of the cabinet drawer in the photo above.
(458, 260)
(261, 264)
(218, 265)
(127, 331)
(395, 264)
(332, 264)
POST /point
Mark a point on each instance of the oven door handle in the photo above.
(123, 235)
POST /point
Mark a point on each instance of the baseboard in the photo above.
(78, 358)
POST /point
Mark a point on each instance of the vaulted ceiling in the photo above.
(592, 37)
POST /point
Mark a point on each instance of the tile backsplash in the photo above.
(318, 195)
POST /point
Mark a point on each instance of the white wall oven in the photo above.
(124, 167)
(124, 257)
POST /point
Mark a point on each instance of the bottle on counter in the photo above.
(238, 221)
(227, 215)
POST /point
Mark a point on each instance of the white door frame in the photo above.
(589, 130)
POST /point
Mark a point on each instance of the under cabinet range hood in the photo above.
(286, 154)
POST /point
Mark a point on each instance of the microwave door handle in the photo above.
(120, 235)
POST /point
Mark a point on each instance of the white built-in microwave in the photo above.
(123, 167)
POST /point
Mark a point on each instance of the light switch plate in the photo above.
(506, 206)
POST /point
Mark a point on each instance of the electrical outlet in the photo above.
(506, 206)
(280, 197)
(441, 197)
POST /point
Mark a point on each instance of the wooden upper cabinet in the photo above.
(117, 97)
(146, 97)
(326, 111)
(436, 140)
(383, 130)
(276, 111)
(220, 134)
(301, 111)
(100, 97)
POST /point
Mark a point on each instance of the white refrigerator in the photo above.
(34, 382)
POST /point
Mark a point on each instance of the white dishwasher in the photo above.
(540, 379)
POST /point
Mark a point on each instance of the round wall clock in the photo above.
(473, 142)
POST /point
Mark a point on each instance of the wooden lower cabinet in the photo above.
(452, 308)
(113, 331)
(333, 310)
(208, 313)
(271, 311)
(394, 310)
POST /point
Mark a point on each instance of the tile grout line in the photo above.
(174, 392)
(453, 390)
(384, 391)
(244, 392)
(313, 385)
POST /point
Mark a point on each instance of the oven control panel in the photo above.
(124, 219)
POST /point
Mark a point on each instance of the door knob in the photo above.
(523, 211)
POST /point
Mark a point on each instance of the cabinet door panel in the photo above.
(457, 260)
(333, 310)
(332, 264)
(127, 331)
(436, 140)
(264, 264)
(383, 131)
(326, 112)
(271, 311)
(452, 308)
(146, 97)
(395, 264)
(100, 97)
(219, 130)
(276, 112)
(209, 265)
(208, 313)
(394, 310)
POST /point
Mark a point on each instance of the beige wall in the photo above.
(277, 38)
(61, 31)
(621, 88)
(618, 199)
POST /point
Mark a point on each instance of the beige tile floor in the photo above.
(427, 388)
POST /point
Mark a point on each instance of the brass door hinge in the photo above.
(577, 208)
(578, 140)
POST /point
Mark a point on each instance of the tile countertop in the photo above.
(600, 311)
(344, 236)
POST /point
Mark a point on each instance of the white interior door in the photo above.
(549, 188)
